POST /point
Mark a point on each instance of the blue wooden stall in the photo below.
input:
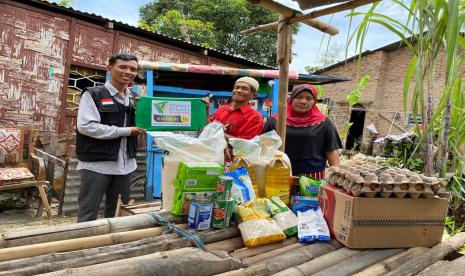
(154, 155)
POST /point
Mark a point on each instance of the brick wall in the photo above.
(383, 96)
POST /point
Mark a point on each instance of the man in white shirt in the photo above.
(106, 139)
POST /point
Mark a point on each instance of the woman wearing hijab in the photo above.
(311, 138)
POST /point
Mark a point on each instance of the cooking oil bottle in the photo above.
(277, 179)
(240, 161)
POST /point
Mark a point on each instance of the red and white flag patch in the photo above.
(106, 101)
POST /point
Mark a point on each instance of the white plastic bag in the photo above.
(259, 151)
(208, 147)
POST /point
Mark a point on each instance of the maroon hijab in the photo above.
(312, 117)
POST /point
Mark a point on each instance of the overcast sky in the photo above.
(309, 42)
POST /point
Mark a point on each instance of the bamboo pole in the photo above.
(334, 9)
(456, 267)
(84, 229)
(322, 26)
(186, 262)
(57, 261)
(283, 55)
(391, 263)
(317, 24)
(286, 260)
(226, 245)
(309, 18)
(259, 258)
(129, 270)
(431, 256)
(359, 262)
(264, 27)
(249, 252)
(320, 263)
(274, 6)
(77, 244)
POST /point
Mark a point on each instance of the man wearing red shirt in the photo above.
(238, 117)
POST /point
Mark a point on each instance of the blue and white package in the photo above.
(200, 215)
(242, 189)
(303, 203)
(312, 226)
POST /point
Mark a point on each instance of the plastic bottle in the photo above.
(240, 161)
(277, 179)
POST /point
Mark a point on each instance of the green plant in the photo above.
(451, 227)
(432, 27)
(215, 24)
(353, 97)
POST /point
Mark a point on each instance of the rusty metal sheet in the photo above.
(32, 64)
(92, 45)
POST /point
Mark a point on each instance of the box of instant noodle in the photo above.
(157, 113)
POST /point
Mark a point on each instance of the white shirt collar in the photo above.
(113, 91)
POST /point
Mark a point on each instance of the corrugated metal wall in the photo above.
(73, 182)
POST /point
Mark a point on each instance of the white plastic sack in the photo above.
(208, 147)
(259, 151)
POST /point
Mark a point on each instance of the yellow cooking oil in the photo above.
(277, 176)
(240, 161)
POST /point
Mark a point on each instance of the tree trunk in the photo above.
(288, 259)
(320, 263)
(431, 256)
(57, 261)
(84, 229)
(185, 261)
(359, 262)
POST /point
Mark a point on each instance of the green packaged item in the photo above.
(195, 180)
(157, 113)
(284, 217)
(222, 212)
(309, 187)
(223, 187)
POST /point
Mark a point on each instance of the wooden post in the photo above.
(50, 176)
(283, 55)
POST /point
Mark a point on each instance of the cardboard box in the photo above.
(361, 222)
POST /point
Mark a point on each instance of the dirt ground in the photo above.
(25, 219)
